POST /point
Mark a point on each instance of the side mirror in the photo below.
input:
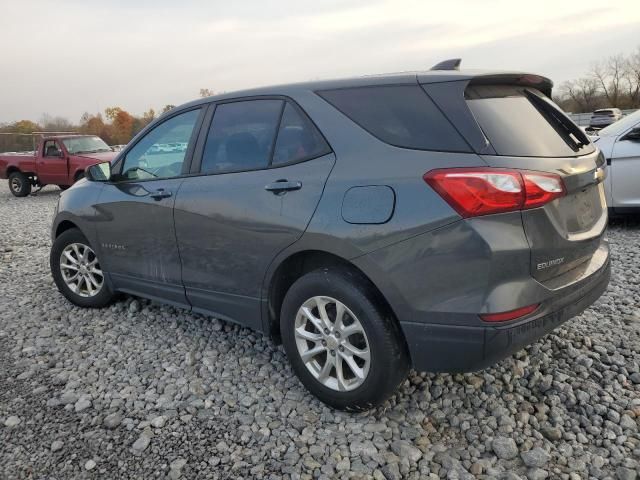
(100, 172)
(633, 134)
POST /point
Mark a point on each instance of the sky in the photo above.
(67, 57)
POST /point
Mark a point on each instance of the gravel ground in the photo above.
(139, 390)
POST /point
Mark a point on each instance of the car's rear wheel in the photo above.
(341, 342)
(19, 184)
(76, 271)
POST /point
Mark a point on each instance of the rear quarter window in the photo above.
(400, 115)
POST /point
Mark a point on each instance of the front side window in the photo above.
(153, 157)
(51, 149)
(241, 136)
(298, 139)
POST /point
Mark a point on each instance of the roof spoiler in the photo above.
(451, 64)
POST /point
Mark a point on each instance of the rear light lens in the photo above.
(483, 191)
(541, 188)
(510, 315)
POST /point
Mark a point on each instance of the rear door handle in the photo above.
(160, 194)
(280, 187)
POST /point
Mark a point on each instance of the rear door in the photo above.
(527, 131)
(262, 169)
(52, 165)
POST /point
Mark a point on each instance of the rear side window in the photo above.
(241, 136)
(298, 139)
(522, 123)
(400, 115)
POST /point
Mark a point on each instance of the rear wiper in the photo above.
(574, 137)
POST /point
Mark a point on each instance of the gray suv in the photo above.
(439, 220)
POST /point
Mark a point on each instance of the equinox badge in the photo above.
(550, 263)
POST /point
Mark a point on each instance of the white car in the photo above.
(620, 145)
(605, 117)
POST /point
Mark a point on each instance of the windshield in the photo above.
(621, 125)
(77, 145)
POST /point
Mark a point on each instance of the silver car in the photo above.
(605, 117)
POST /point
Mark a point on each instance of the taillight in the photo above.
(541, 188)
(483, 191)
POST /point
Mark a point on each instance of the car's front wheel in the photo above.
(19, 184)
(76, 271)
(342, 343)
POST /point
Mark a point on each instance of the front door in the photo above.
(135, 227)
(52, 164)
(259, 182)
(625, 171)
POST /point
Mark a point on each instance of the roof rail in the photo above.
(451, 64)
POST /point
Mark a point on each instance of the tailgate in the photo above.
(566, 232)
(529, 132)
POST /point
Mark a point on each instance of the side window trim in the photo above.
(301, 112)
(188, 156)
(196, 164)
(198, 151)
(275, 137)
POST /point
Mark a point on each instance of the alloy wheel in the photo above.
(80, 270)
(332, 343)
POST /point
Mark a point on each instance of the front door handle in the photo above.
(160, 194)
(280, 187)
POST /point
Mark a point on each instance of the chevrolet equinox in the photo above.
(439, 220)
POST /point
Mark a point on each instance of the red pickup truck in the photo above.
(57, 160)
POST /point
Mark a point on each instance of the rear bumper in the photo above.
(455, 348)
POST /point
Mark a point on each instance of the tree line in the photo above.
(612, 82)
(116, 127)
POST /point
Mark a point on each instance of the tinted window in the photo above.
(401, 115)
(298, 139)
(153, 157)
(521, 123)
(241, 136)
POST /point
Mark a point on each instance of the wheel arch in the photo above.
(14, 169)
(301, 262)
(63, 226)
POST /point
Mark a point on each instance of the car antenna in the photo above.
(451, 64)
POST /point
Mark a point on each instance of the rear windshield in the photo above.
(400, 115)
(603, 112)
(521, 122)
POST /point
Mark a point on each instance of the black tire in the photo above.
(79, 176)
(389, 358)
(19, 184)
(102, 298)
(63, 187)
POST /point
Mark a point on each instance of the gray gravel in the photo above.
(139, 390)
